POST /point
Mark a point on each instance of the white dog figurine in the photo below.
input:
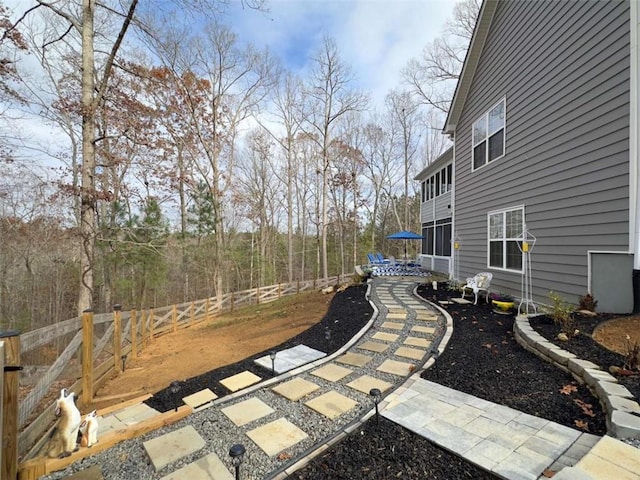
(89, 430)
(65, 436)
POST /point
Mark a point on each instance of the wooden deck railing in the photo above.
(97, 345)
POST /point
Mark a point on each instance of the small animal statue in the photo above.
(89, 430)
(65, 436)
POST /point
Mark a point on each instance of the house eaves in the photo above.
(483, 24)
(437, 164)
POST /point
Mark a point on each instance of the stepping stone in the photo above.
(373, 346)
(355, 359)
(209, 467)
(240, 381)
(290, 358)
(396, 368)
(296, 389)
(417, 342)
(392, 325)
(275, 436)
(413, 353)
(365, 383)
(397, 311)
(173, 446)
(385, 337)
(91, 473)
(110, 422)
(423, 329)
(397, 316)
(200, 398)
(461, 301)
(332, 372)
(331, 404)
(135, 414)
(445, 302)
(428, 316)
(247, 411)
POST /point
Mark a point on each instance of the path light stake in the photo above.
(376, 394)
(236, 453)
(175, 388)
(124, 360)
(327, 333)
(435, 353)
(272, 356)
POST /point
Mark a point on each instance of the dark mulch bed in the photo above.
(348, 313)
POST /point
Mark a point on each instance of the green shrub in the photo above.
(561, 312)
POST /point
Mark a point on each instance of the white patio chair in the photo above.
(478, 284)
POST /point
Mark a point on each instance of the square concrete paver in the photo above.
(461, 301)
(331, 404)
(374, 346)
(417, 342)
(355, 359)
(413, 353)
(423, 329)
(397, 316)
(427, 316)
(247, 411)
(290, 358)
(397, 311)
(396, 368)
(366, 383)
(332, 372)
(392, 325)
(385, 337)
(172, 446)
(295, 389)
(209, 467)
(135, 414)
(275, 436)
(240, 381)
(200, 398)
(91, 473)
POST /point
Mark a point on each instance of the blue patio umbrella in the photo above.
(405, 235)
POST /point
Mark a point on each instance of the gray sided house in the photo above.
(436, 210)
(545, 128)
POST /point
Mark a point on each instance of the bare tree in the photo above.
(433, 76)
(332, 96)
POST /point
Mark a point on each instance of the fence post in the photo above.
(143, 328)
(258, 296)
(11, 373)
(279, 291)
(297, 286)
(233, 298)
(206, 309)
(87, 356)
(193, 312)
(150, 325)
(174, 317)
(117, 337)
(134, 334)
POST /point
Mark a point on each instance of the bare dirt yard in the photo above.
(613, 334)
(225, 340)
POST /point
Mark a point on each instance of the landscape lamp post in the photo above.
(272, 356)
(175, 388)
(376, 394)
(236, 453)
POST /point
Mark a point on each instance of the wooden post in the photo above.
(206, 309)
(232, 301)
(143, 329)
(150, 325)
(297, 286)
(258, 296)
(193, 312)
(134, 334)
(174, 317)
(10, 404)
(117, 337)
(279, 291)
(87, 356)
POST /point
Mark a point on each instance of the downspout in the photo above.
(634, 170)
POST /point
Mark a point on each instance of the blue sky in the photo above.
(375, 37)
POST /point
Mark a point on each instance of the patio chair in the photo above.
(478, 284)
(381, 259)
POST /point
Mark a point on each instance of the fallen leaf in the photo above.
(582, 424)
(587, 408)
(487, 345)
(568, 389)
(284, 456)
(548, 473)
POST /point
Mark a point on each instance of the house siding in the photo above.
(563, 68)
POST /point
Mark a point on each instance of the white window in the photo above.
(505, 226)
(488, 136)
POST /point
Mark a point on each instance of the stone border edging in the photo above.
(623, 412)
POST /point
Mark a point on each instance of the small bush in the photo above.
(561, 312)
(632, 355)
(587, 302)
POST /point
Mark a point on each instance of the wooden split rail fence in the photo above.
(108, 340)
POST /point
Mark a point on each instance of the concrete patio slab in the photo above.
(396, 368)
(373, 346)
(209, 467)
(385, 337)
(417, 342)
(91, 473)
(275, 436)
(240, 381)
(135, 414)
(392, 325)
(355, 359)
(413, 353)
(611, 458)
(290, 358)
(331, 404)
(365, 383)
(199, 398)
(296, 389)
(332, 372)
(172, 446)
(247, 411)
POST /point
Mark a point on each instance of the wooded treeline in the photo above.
(188, 163)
